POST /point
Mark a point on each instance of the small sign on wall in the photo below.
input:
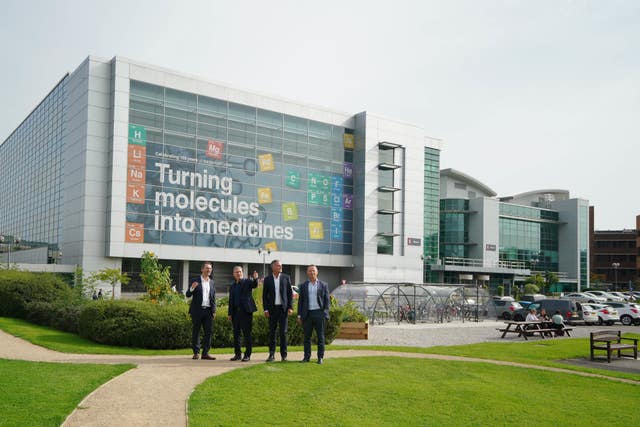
(489, 247)
(412, 241)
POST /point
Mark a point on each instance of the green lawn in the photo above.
(44, 394)
(399, 391)
(538, 352)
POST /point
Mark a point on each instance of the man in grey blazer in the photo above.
(276, 300)
(313, 311)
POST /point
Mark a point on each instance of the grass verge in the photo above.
(44, 394)
(403, 391)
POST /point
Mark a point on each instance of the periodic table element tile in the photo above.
(271, 246)
(293, 179)
(266, 162)
(264, 195)
(289, 211)
(316, 230)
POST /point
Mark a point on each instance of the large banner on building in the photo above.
(205, 192)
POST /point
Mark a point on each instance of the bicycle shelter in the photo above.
(414, 303)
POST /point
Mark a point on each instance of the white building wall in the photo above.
(405, 263)
(484, 230)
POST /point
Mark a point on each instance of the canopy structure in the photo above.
(414, 303)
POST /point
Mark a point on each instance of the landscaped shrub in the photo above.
(63, 315)
(18, 289)
(136, 324)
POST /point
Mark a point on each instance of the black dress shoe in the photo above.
(207, 357)
(195, 356)
(246, 358)
(305, 360)
(319, 360)
(284, 359)
(234, 358)
(271, 358)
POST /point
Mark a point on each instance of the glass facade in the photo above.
(31, 174)
(208, 172)
(431, 203)
(583, 245)
(529, 235)
(454, 228)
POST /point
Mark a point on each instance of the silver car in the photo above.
(583, 297)
(606, 295)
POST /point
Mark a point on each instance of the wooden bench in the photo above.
(611, 341)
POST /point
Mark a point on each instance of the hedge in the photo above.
(20, 289)
(146, 325)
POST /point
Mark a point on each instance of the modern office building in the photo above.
(123, 157)
(506, 239)
(615, 256)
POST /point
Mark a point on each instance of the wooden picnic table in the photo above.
(524, 328)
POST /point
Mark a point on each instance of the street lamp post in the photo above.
(484, 278)
(264, 253)
(615, 266)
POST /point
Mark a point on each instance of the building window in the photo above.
(386, 199)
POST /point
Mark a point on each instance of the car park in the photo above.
(504, 307)
(629, 313)
(583, 297)
(606, 314)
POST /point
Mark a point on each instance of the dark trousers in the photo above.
(314, 320)
(201, 319)
(242, 323)
(278, 319)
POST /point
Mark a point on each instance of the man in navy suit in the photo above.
(313, 311)
(202, 310)
(276, 300)
(241, 309)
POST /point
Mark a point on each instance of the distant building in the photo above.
(509, 238)
(615, 256)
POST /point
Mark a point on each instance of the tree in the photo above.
(551, 279)
(113, 276)
(533, 284)
(156, 278)
(531, 288)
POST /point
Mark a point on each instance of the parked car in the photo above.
(606, 315)
(504, 307)
(606, 295)
(629, 313)
(568, 308)
(589, 314)
(583, 297)
(533, 297)
(620, 294)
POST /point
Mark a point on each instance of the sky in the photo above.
(525, 95)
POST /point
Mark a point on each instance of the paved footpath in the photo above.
(131, 398)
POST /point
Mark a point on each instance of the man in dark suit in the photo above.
(241, 309)
(313, 311)
(276, 300)
(202, 310)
